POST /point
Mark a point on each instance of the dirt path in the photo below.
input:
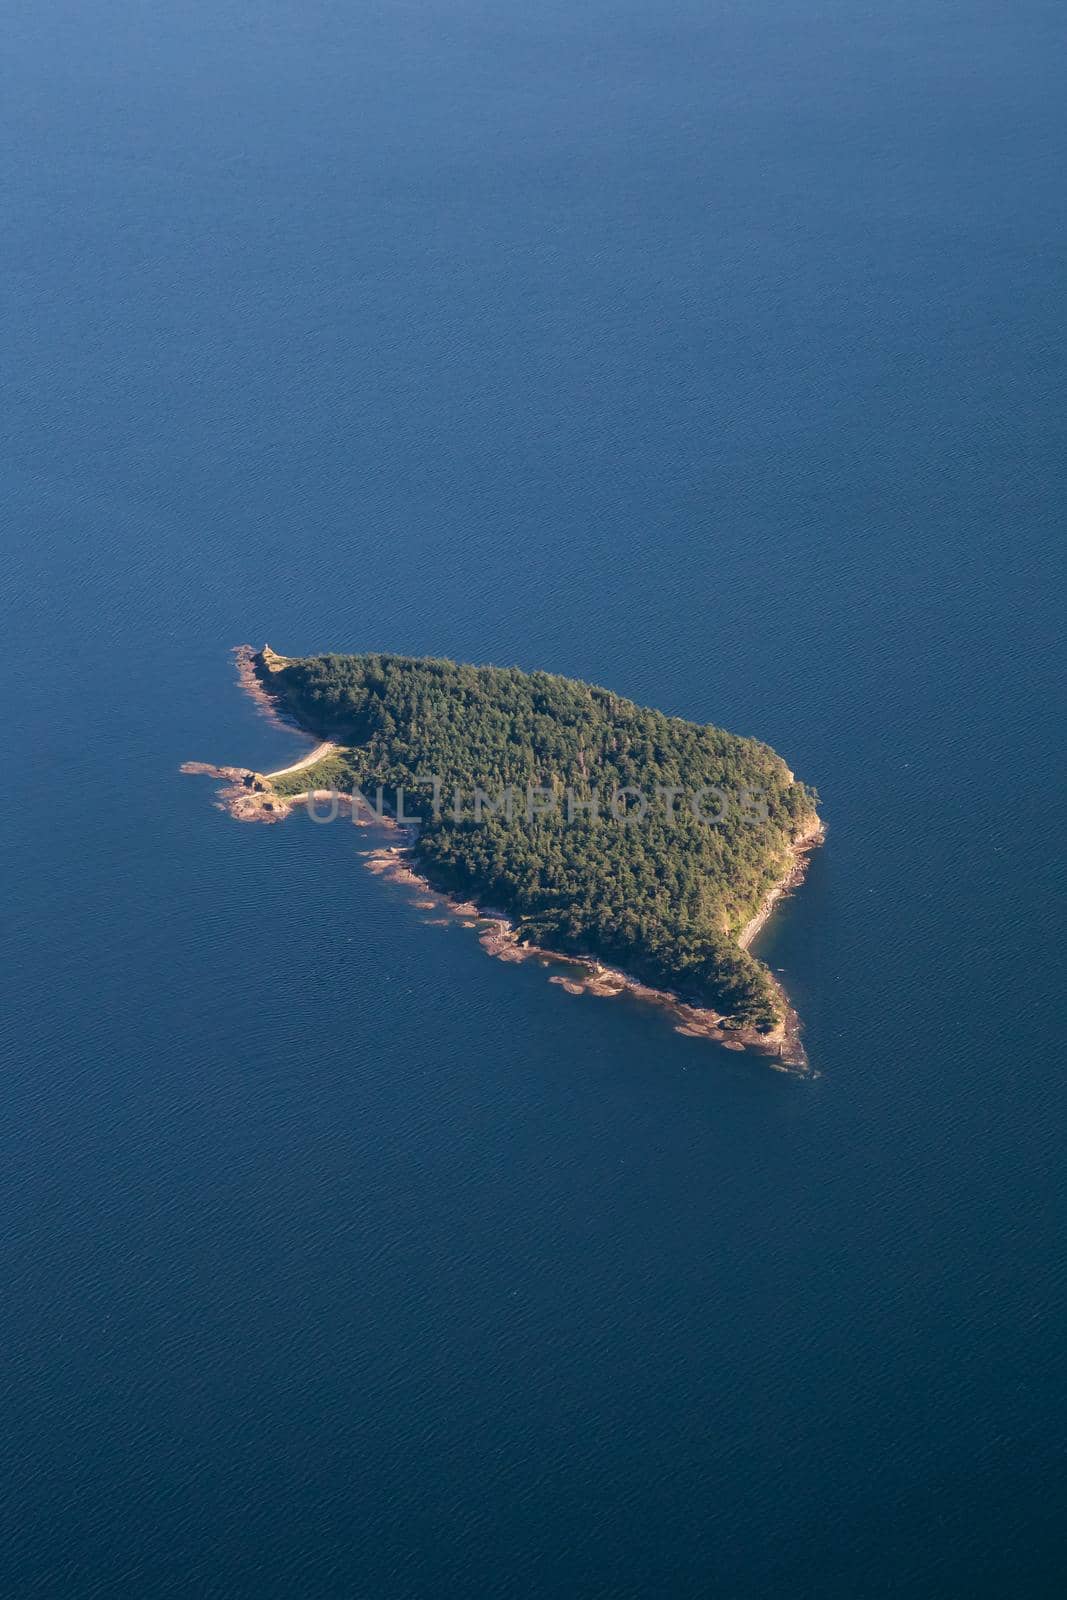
(309, 760)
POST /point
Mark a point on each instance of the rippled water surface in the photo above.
(711, 352)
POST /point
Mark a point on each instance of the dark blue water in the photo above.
(713, 352)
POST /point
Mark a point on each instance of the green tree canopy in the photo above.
(663, 894)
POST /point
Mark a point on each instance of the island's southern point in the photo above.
(645, 850)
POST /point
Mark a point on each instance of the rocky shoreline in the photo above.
(801, 849)
(500, 938)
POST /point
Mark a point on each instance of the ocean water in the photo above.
(711, 352)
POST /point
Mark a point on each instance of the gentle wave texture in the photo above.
(711, 352)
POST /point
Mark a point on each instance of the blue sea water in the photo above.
(713, 352)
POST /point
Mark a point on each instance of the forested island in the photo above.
(601, 829)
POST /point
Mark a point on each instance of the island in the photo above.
(644, 848)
